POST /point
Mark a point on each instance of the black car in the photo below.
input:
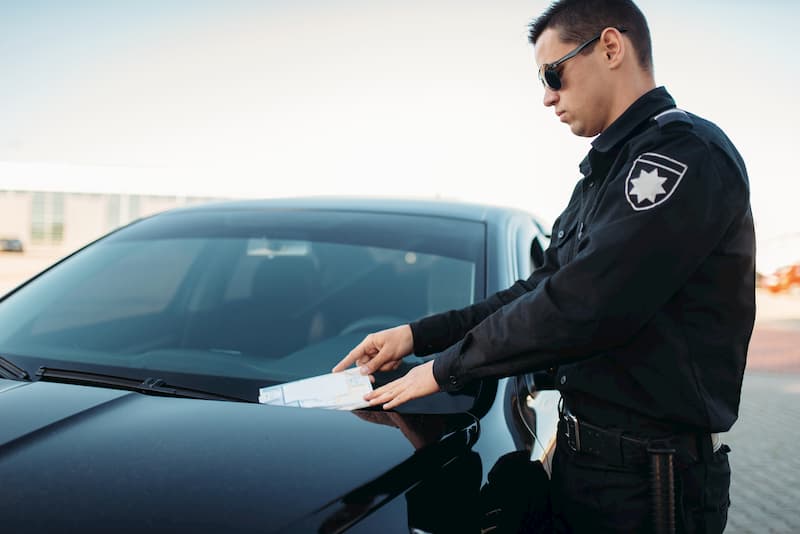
(130, 374)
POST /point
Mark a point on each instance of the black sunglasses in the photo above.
(548, 74)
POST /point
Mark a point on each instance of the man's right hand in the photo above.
(381, 351)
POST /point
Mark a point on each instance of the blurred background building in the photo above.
(56, 223)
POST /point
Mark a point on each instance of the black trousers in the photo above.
(589, 495)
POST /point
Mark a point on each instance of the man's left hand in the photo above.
(418, 382)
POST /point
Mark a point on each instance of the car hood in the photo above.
(84, 458)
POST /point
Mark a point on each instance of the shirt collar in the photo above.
(646, 106)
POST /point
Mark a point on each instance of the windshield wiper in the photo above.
(149, 385)
(9, 369)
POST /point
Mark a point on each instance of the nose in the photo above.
(550, 97)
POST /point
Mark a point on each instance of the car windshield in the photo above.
(262, 296)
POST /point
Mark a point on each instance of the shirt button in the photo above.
(591, 184)
(453, 380)
(560, 234)
(563, 380)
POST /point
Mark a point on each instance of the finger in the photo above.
(345, 362)
(402, 398)
(391, 366)
(416, 384)
(383, 357)
(372, 379)
(383, 398)
(381, 390)
(375, 393)
(359, 352)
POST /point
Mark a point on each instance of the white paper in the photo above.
(337, 391)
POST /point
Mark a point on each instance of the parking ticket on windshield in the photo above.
(337, 391)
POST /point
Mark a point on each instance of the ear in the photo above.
(613, 46)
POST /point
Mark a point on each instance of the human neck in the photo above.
(627, 93)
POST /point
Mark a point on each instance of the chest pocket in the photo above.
(564, 241)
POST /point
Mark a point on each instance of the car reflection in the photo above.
(449, 496)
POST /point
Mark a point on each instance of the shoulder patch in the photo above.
(673, 115)
(652, 180)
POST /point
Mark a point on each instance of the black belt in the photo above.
(618, 448)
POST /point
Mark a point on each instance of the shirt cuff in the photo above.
(445, 369)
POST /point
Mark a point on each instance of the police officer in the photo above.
(643, 309)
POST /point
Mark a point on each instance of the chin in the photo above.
(577, 129)
(581, 130)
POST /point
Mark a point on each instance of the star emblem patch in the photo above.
(652, 180)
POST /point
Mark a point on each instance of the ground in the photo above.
(764, 491)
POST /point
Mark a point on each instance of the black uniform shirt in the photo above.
(646, 300)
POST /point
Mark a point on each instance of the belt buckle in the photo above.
(573, 432)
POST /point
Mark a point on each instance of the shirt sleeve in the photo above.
(628, 265)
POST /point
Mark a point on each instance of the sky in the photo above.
(420, 98)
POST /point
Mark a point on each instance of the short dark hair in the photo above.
(579, 20)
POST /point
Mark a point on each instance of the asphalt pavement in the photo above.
(764, 461)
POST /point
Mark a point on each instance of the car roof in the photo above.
(424, 207)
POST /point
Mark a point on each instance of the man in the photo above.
(644, 307)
